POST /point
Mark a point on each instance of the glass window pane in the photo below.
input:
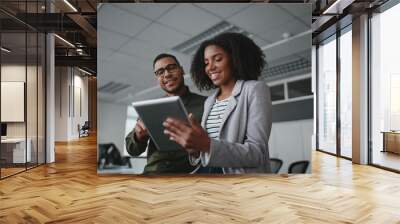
(13, 86)
(385, 88)
(327, 96)
(346, 94)
(277, 92)
(299, 88)
(31, 98)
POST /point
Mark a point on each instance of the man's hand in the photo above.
(141, 132)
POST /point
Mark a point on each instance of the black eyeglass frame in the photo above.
(170, 68)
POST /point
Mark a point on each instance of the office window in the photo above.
(299, 88)
(277, 92)
(327, 95)
(346, 93)
(22, 68)
(13, 73)
(385, 88)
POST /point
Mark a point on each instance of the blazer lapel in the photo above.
(207, 108)
(231, 106)
(232, 103)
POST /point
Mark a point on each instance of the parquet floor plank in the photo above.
(70, 191)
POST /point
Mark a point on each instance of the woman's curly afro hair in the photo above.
(246, 58)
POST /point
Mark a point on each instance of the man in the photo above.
(169, 74)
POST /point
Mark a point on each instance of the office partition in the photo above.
(22, 88)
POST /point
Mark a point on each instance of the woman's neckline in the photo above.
(226, 99)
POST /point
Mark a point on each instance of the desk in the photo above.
(391, 141)
(13, 150)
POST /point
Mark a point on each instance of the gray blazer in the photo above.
(242, 146)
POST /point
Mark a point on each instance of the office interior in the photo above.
(48, 81)
(354, 127)
(357, 84)
(131, 35)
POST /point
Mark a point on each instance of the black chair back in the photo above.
(110, 153)
(86, 125)
(299, 167)
(276, 164)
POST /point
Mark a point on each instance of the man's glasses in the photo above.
(170, 68)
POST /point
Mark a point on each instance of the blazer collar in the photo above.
(231, 104)
(236, 90)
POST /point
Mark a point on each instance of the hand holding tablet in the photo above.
(154, 112)
(141, 132)
(192, 137)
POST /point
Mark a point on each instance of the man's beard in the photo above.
(176, 90)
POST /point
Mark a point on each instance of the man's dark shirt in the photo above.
(167, 162)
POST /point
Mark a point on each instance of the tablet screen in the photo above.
(154, 112)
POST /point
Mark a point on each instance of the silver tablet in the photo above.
(154, 112)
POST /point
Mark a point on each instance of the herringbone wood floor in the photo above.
(70, 191)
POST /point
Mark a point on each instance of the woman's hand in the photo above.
(191, 136)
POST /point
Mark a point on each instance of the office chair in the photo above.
(299, 167)
(109, 157)
(84, 130)
(276, 164)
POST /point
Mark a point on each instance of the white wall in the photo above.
(111, 123)
(290, 141)
(14, 73)
(80, 83)
(69, 85)
(61, 103)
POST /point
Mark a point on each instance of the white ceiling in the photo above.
(130, 35)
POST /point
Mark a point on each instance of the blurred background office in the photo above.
(131, 35)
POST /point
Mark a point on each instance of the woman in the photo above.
(236, 123)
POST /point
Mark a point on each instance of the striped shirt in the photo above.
(214, 118)
(213, 125)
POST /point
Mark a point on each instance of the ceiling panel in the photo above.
(115, 19)
(300, 10)
(162, 36)
(189, 19)
(123, 72)
(259, 18)
(141, 49)
(184, 60)
(221, 9)
(150, 11)
(300, 44)
(292, 27)
(260, 42)
(110, 40)
(289, 48)
(131, 62)
(103, 53)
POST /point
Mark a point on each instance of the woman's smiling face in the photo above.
(217, 65)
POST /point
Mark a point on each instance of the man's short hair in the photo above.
(165, 55)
